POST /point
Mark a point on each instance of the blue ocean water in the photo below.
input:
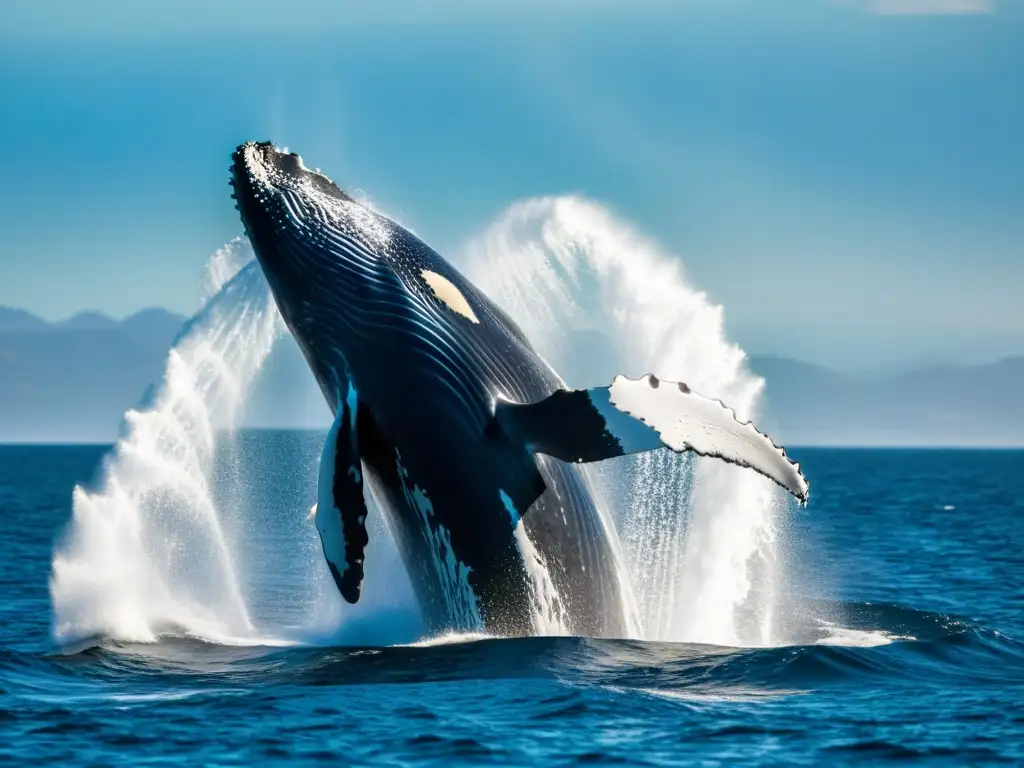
(921, 550)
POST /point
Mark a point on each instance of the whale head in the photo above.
(287, 210)
(321, 251)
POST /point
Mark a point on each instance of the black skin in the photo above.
(426, 385)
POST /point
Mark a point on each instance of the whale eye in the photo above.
(448, 294)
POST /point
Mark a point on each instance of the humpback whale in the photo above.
(462, 434)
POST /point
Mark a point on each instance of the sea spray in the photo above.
(151, 549)
(598, 299)
(550, 617)
(147, 552)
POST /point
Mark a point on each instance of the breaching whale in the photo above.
(464, 436)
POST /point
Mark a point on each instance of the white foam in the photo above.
(860, 638)
(724, 695)
(449, 638)
(147, 553)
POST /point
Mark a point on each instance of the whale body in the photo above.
(467, 440)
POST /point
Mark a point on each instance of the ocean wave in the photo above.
(947, 651)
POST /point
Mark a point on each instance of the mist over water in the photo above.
(598, 299)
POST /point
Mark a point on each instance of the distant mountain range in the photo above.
(71, 381)
(969, 405)
(74, 379)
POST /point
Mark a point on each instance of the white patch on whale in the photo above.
(452, 574)
(448, 294)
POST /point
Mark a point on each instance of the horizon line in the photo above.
(1011, 447)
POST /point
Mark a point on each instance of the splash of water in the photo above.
(147, 551)
(550, 617)
(151, 549)
(598, 299)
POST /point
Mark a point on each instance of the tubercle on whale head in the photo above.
(261, 167)
(299, 220)
(279, 199)
(263, 176)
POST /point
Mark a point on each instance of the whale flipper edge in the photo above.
(633, 416)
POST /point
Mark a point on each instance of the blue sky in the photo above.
(845, 177)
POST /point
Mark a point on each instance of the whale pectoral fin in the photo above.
(643, 415)
(341, 505)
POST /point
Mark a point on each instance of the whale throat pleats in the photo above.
(633, 416)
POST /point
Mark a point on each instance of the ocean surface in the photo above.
(903, 599)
